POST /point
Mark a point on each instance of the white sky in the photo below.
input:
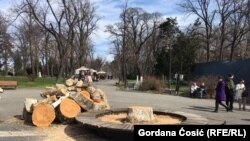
(109, 11)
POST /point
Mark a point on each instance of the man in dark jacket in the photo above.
(229, 89)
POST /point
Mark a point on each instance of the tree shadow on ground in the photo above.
(201, 108)
(246, 119)
(81, 133)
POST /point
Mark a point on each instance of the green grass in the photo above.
(25, 82)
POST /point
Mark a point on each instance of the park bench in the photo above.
(8, 84)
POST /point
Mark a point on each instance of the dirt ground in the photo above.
(57, 131)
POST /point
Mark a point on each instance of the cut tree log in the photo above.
(69, 82)
(58, 102)
(43, 114)
(50, 91)
(62, 91)
(27, 116)
(67, 111)
(85, 93)
(85, 102)
(28, 104)
(69, 108)
(100, 106)
(103, 97)
(79, 84)
(48, 100)
(96, 97)
(91, 89)
(78, 89)
(71, 88)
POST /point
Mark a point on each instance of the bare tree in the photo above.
(225, 10)
(86, 24)
(5, 45)
(141, 27)
(238, 26)
(60, 25)
(202, 9)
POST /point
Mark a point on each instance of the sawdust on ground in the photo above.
(159, 119)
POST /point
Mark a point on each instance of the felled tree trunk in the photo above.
(43, 114)
(83, 100)
(68, 110)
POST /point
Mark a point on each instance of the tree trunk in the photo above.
(232, 50)
(60, 73)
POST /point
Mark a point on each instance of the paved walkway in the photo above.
(203, 107)
(11, 105)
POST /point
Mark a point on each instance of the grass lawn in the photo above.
(25, 82)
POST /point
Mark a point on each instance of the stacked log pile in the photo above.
(64, 103)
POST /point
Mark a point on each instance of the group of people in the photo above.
(197, 91)
(85, 76)
(227, 91)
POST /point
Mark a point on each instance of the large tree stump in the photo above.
(140, 114)
(84, 101)
(43, 114)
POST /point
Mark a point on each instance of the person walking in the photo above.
(229, 89)
(239, 89)
(220, 94)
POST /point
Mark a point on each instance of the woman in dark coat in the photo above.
(220, 94)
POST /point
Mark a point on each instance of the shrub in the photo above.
(152, 83)
(32, 77)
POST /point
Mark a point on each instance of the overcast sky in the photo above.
(109, 11)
